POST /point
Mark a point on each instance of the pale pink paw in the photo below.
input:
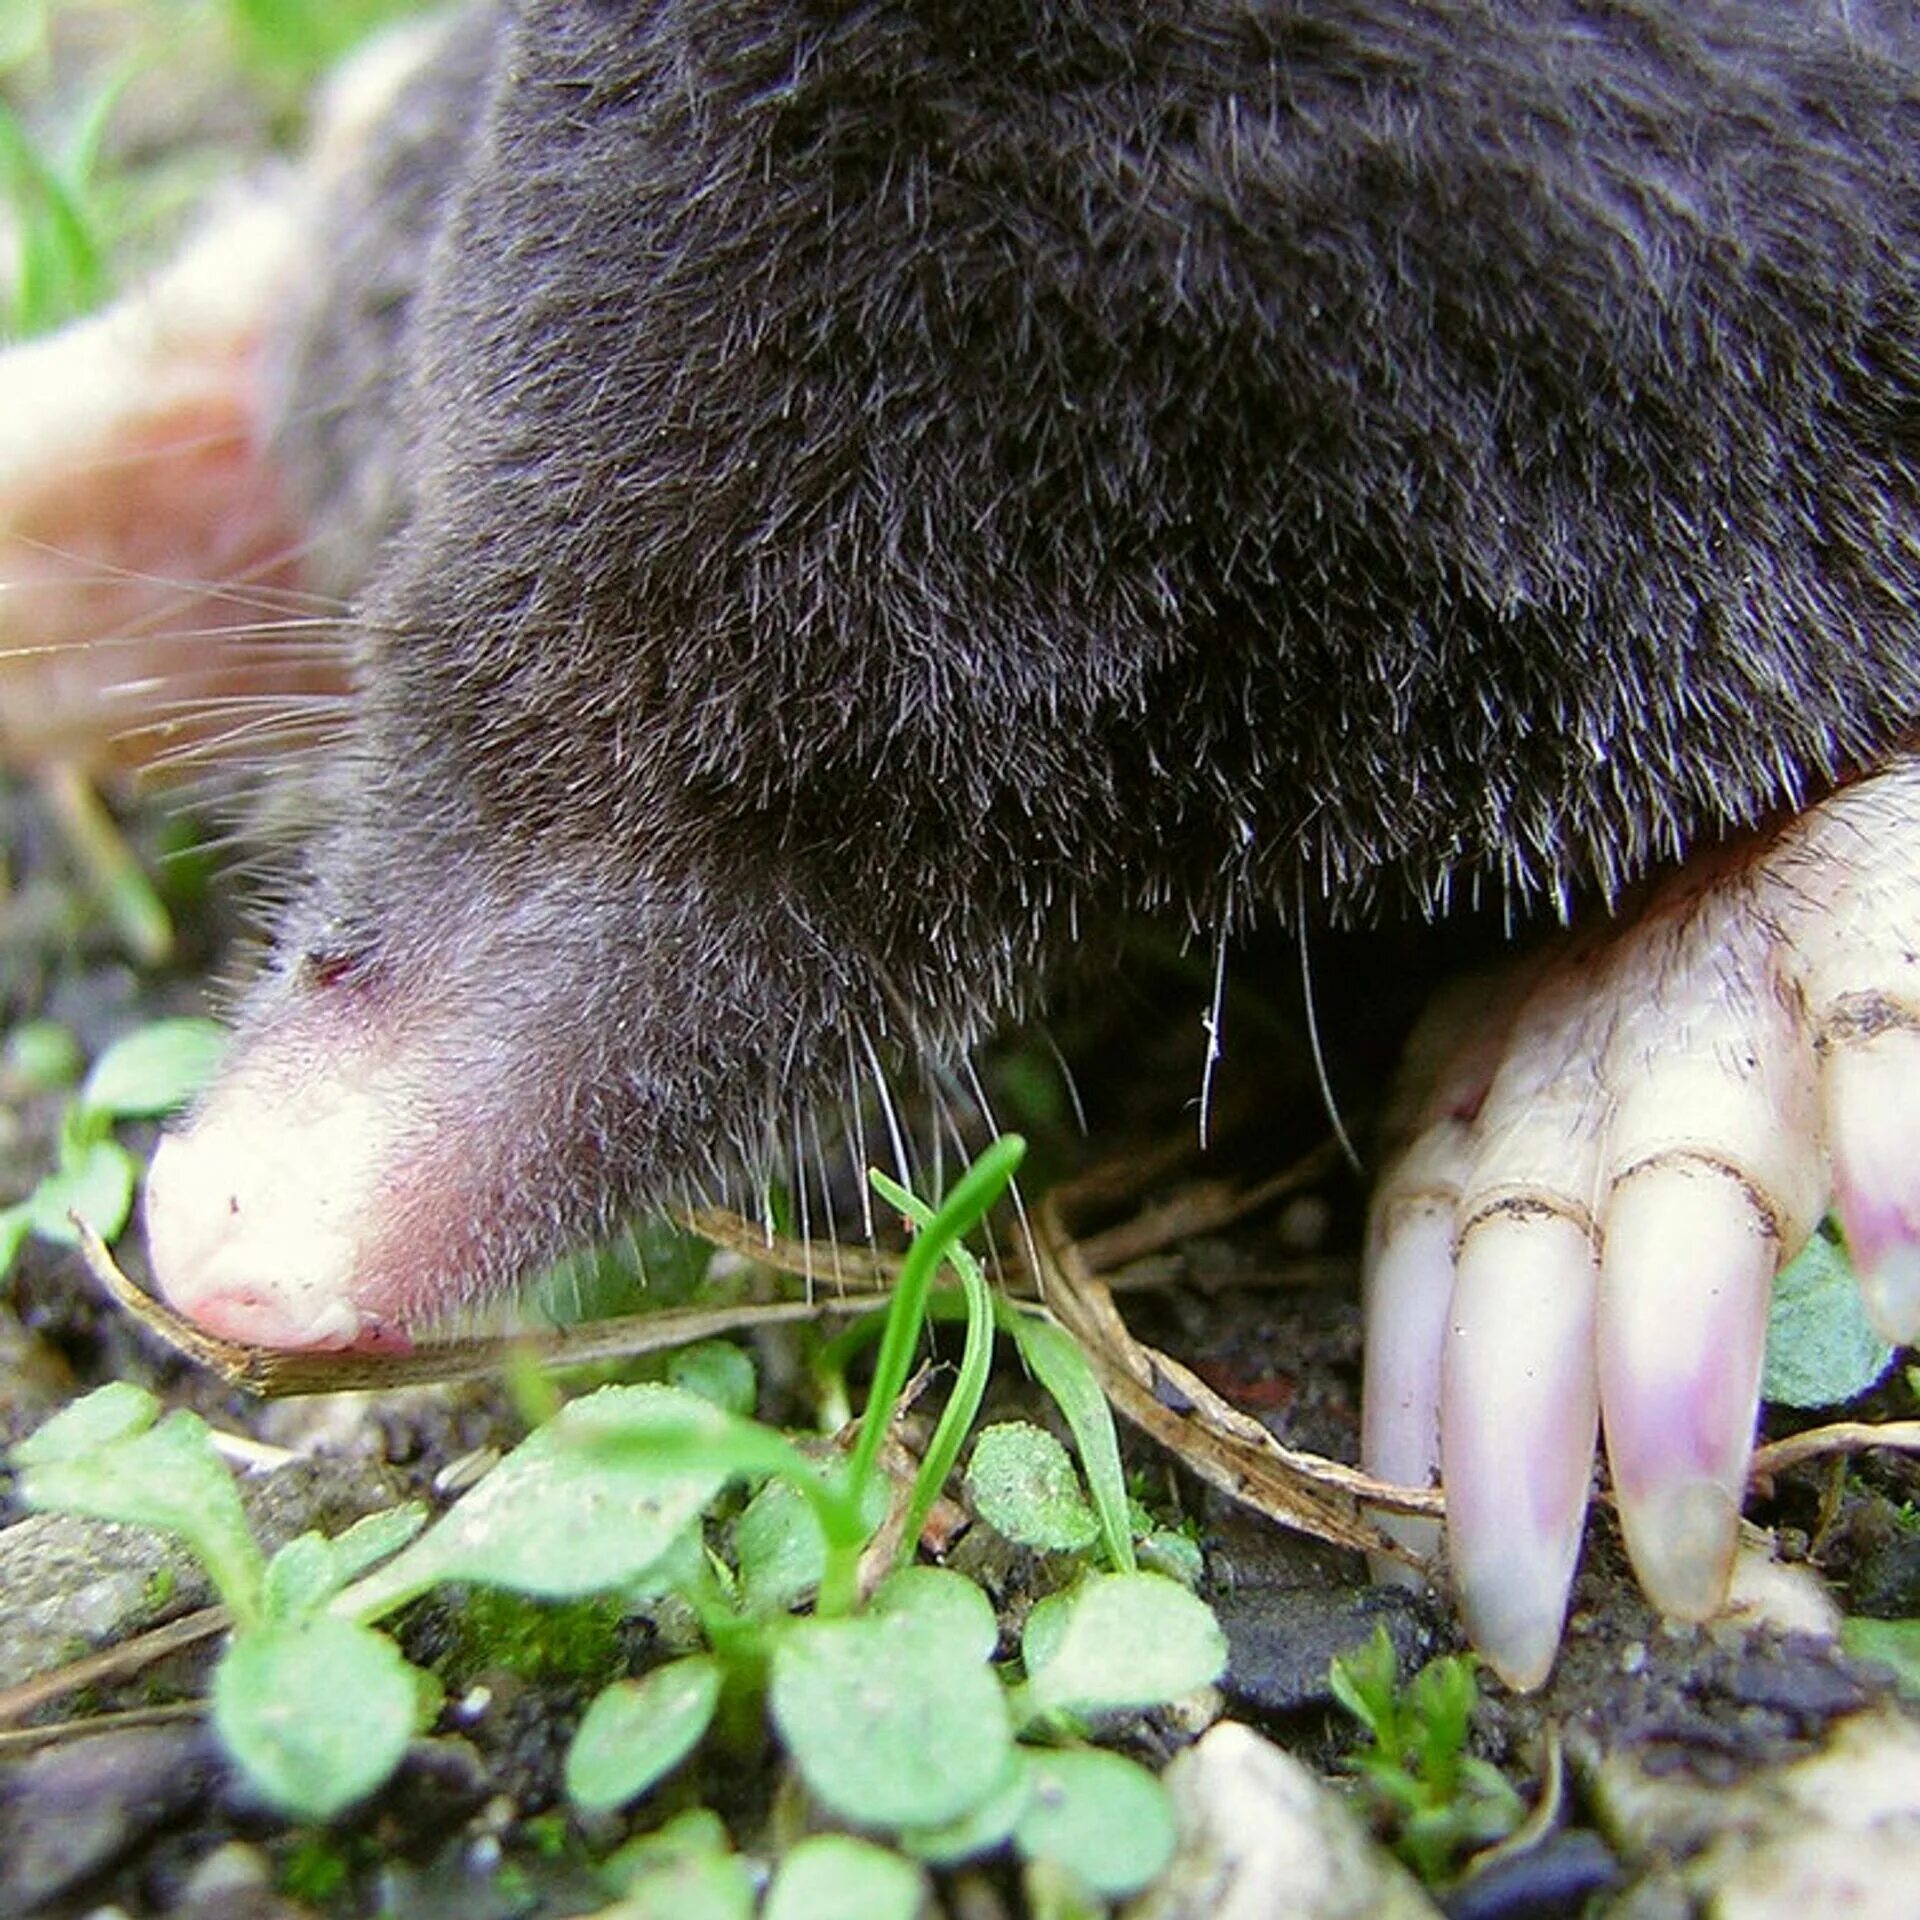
(1594, 1189)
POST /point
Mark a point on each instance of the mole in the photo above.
(840, 506)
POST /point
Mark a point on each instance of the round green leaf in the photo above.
(1175, 1554)
(886, 1726)
(947, 1604)
(1821, 1349)
(318, 1712)
(1023, 1485)
(833, 1873)
(1054, 1358)
(111, 1413)
(638, 1731)
(1105, 1819)
(1121, 1641)
(718, 1371)
(41, 1054)
(165, 1476)
(95, 1179)
(982, 1828)
(589, 1502)
(778, 1548)
(689, 1886)
(310, 1569)
(154, 1069)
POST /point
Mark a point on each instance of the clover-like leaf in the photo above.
(1024, 1486)
(154, 1069)
(590, 1501)
(779, 1549)
(1056, 1361)
(891, 1722)
(95, 1180)
(105, 1458)
(318, 1711)
(637, 1731)
(310, 1569)
(833, 1873)
(1821, 1349)
(1120, 1641)
(947, 1604)
(1103, 1817)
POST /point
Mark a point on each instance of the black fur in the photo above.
(889, 490)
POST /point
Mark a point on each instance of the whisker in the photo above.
(992, 1123)
(245, 589)
(857, 1128)
(253, 753)
(903, 1161)
(823, 1169)
(248, 708)
(1068, 1081)
(797, 1173)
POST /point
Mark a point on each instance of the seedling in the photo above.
(1434, 1799)
(1895, 1644)
(150, 1071)
(1821, 1351)
(60, 266)
(888, 1704)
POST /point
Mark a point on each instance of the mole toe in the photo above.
(1517, 1431)
(1664, 1119)
(1853, 869)
(1871, 1092)
(1681, 1333)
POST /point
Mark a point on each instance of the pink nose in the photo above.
(255, 1217)
(256, 1317)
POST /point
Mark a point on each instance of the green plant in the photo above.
(298, 40)
(1821, 1351)
(1894, 1643)
(1433, 1798)
(57, 197)
(74, 208)
(1048, 1354)
(888, 1704)
(148, 1072)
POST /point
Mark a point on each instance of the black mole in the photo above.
(844, 504)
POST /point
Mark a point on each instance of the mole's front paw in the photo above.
(1610, 1160)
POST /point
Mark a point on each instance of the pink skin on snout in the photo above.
(254, 1217)
(277, 1216)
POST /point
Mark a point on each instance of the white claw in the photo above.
(1687, 1095)
(1409, 1288)
(1518, 1418)
(1685, 1276)
(1871, 1093)
(1851, 906)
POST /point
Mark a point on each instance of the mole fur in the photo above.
(869, 498)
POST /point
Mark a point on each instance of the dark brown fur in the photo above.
(880, 493)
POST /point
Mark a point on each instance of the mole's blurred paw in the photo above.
(1608, 1158)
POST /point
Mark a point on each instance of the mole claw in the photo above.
(1517, 1428)
(1409, 1291)
(1632, 1153)
(1872, 1096)
(1684, 1284)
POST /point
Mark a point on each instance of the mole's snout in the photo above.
(255, 1215)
